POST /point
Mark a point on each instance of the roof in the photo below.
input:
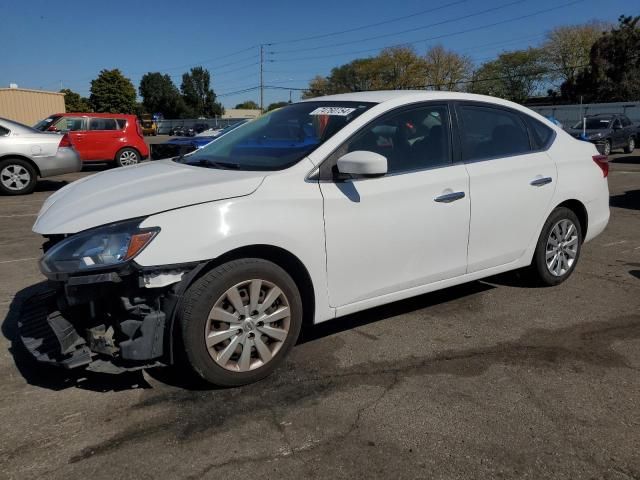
(380, 96)
(46, 92)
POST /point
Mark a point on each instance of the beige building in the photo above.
(240, 113)
(29, 106)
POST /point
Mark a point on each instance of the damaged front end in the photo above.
(110, 320)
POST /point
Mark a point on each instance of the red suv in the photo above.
(101, 137)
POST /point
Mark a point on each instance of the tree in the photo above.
(445, 69)
(513, 75)
(198, 95)
(112, 92)
(160, 95)
(566, 49)
(248, 105)
(613, 74)
(318, 86)
(73, 102)
(397, 68)
(273, 106)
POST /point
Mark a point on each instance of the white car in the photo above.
(314, 211)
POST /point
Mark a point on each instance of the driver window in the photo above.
(414, 139)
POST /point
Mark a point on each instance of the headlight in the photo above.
(98, 248)
(595, 136)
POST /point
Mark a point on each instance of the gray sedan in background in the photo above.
(26, 154)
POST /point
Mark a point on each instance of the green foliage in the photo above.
(514, 76)
(248, 105)
(160, 95)
(273, 106)
(198, 95)
(74, 103)
(613, 74)
(112, 92)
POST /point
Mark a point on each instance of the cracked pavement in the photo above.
(486, 380)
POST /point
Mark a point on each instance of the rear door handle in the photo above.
(538, 182)
(449, 197)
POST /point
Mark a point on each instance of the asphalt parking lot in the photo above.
(487, 380)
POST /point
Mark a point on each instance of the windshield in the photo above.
(278, 139)
(42, 125)
(594, 123)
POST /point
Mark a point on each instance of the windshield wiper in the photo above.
(205, 162)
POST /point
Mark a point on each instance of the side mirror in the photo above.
(363, 163)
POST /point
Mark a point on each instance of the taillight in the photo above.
(65, 142)
(139, 128)
(603, 162)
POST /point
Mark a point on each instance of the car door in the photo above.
(76, 128)
(406, 228)
(511, 182)
(619, 135)
(104, 135)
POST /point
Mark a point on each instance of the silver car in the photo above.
(26, 154)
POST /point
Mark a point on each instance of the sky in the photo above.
(48, 45)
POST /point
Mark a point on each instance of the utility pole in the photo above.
(261, 81)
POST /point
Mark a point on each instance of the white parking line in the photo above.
(20, 215)
(614, 243)
(19, 260)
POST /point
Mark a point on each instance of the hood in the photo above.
(138, 191)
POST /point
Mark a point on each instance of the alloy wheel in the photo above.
(607, 148)
(15, 177)
(128, 157)
(562, 248)
(632, 144)
(247, 325)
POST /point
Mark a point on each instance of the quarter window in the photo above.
(410, 140)
(491, 132)
(102, 124)
(4, 131)
(540, 133)
(121, 123)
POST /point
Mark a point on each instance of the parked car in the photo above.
(175, 147)
(101, 137)
(219, 258)
(607, 132)
(177, 131)
(26, 154)
(200, 127)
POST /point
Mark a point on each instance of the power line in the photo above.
(370, 25)
(401, 32)
(437, 37)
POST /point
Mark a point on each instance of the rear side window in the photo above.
(541, 135)
(121, 123)
(102, 124)
(488, 132)
(625, 121)
(3, 131)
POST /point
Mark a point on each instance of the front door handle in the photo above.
(449, 197)
(538, 182)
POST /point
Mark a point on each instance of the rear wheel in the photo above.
(239, 321)
(17, 177)
(631, 145)
(558, 248)
(127, 156)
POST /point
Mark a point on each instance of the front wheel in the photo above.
(126, 157)
(239, 321)
(558, 247)
(631, 145)
(17, 177)
(606, 147)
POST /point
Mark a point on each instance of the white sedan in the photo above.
(314, 211)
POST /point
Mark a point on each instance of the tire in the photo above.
(606, 147)
(631, 145)
(208, 313)
(17, 177)
(126, 157)
(565, 256)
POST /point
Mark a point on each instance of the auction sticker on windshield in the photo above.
(337, 111)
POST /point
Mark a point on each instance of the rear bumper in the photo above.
(66, 160)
